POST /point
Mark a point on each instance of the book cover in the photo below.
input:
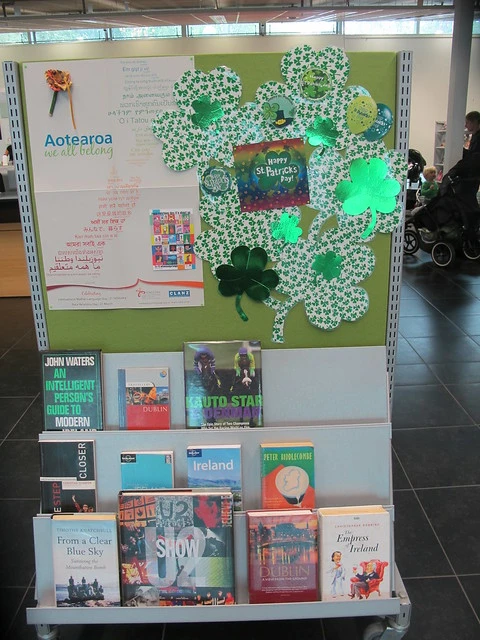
(85, 560)
(72, 390)
(144, 398)
(176, 548)
(67, 476)
(216, 466)
(288, 475)
(146, 469)
(223, 384)
(282, 556)
(355, 550)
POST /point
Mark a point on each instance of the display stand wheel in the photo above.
(471, 250)
(411, 241)
(443, 254)
(47, 631)
(374, 631)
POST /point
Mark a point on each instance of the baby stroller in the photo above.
(449, 223)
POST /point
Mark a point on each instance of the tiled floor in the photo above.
(436, 468)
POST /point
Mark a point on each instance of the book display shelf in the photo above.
(336, 397)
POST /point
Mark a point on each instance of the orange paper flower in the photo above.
(59, 81)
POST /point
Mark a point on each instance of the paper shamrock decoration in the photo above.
(246, 275)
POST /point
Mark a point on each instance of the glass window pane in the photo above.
(476, 27)
(241, 29)
(435, 27)
(130, 33)
(308, 28)
(380, 27)
(14, 38)
(69, 35)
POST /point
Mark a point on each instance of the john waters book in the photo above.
(223, 384)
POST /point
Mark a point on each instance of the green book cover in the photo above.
(288, 475)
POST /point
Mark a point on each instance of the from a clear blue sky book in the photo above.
(144, 398)
(146, 469)
(86, 560)
(355, 553)
(214, 466)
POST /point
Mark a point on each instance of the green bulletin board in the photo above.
(157, 330)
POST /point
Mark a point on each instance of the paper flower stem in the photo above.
(71, 108)
(53, 103)
(239, 309)
(280, 317)
(371, 226)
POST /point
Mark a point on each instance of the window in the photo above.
(308, 28)
(380, 27)
(129, 33)
(435, 27)
(70, 35)
(240, 29)
(14, 38)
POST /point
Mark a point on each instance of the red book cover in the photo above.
(283, 556)
(144, 398)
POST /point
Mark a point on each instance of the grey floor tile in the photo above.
(457, 372)
(471, 584)
(439, 350)
(468, 395)
(414, 374)
(16, 533)
(426, 406)
(19, 469)
(11, 412)
(426, 326)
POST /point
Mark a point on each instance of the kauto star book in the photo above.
(223, 384)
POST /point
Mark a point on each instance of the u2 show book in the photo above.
(86, 560)
(67, 476)
(176, 548)
(144, 398)
(72, 390)
(223, 384)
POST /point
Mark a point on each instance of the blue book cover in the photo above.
(146, 469)
(216, 466)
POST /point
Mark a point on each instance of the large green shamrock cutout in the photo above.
(328, 264)
(286, 228)
(322, 133)
(246, 275)
(206, 112)
(369, 188)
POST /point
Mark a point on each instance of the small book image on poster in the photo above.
(144, 398)
(72, 390)
(172, 239)
(288, 475)
(67, 476)
(86, 560)
(355, 553)
(282, 556)
(214, 466)
(223, 384)
(146, 469)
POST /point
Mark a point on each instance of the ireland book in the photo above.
(72, 390)
(214, 466)
(223, 384)
(146, 469)
(85, 560)
(176, 548)
(355, 550)
(288, 475)
(67, 476)
(282, 556)
(144, 398)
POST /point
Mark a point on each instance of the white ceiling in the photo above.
(35, 15)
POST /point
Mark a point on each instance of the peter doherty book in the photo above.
(216, 466)
(288, 475)
(176, 548)
(144, 398)
(355, 548)
(283, 556)
(67, 476)
(223, 384)
(85, 560)
(146, 469)
(72, 390)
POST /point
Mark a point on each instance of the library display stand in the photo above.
(339, 398)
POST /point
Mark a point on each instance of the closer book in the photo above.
(72, 390)
(146, 469)
(216, 466)
(176, 548)
(85, 560)
(355, 552)
(67, 476)
(144, 398)
(288, 475)
(223, 384)
(282, 556)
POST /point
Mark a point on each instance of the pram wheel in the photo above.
(443, 254)
(471, 250)
(411, 241)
